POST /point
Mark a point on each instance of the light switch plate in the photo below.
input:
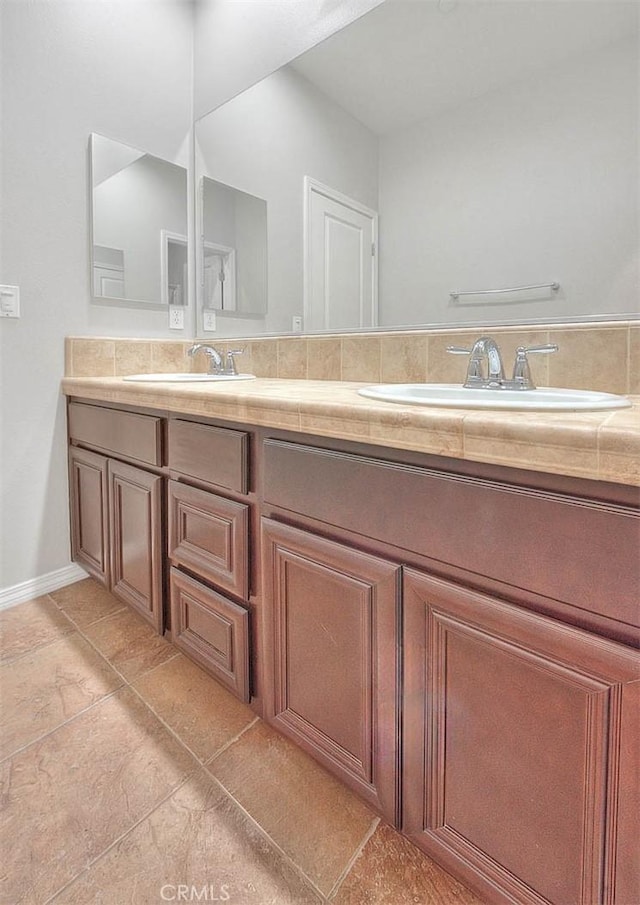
(9, 301)
(209, 321)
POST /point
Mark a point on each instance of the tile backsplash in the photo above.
(604, 356)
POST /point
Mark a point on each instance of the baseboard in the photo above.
(35, 587)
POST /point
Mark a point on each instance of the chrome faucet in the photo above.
(487, 371)
(484, 351)
(216, 364)
(219, 363)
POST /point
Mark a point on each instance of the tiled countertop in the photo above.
(597, 445)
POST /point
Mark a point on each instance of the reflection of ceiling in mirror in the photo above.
(407, 60)
(109, 157)
(497, 141)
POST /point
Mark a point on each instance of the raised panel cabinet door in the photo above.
(517, 755)
(135, 504)
(331, 631)
(89, 512)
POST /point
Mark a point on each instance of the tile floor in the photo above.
(130, 777)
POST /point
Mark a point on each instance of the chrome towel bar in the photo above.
(554, 286)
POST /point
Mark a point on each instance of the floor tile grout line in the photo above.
(158, 666)
(66, 722)
(125, 683)
(227, 745)
(112, 665)
(169, 729)
(375, 823)
(263, 832)
(119, 839)
(104, 657)
(95, 621)
(35, 650)
(32, 650)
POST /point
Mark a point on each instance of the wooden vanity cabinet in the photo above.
(332, 629)
(519, 763)
(116, 507)
(478, 686)
(208, 548)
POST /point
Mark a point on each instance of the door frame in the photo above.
(312, 185)
(167, 237)
(229, 253)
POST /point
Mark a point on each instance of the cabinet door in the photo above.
(517, 752)
(89, 512)
(331, 653)
(135, 503)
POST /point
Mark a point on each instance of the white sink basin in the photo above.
(455, 396)
(186, 378)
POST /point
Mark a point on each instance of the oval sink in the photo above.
(551, 399)
(187, 378)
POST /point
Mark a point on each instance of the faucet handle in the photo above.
(474, 371)
(546, 347)
(230, 366)
(521, 371)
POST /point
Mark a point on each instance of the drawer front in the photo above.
(125, 434)
(209, 535)
(211, 630)
(212, 454)
(562, 547)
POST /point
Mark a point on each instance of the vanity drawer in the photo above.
(215, 455)
(563, 547)
(120, 433)
(210, 535)
(211, 630)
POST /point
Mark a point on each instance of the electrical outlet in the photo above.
(209, 321)
(296, 323)
(176, 317)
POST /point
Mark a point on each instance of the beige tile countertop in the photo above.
(602, 445)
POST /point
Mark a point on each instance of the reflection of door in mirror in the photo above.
(138, 226)
(219, 277)
(108, 272)
(340, 261)
(173, 267)
(234, 250)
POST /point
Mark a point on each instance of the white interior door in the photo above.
(340, 272)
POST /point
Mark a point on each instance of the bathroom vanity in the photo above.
(455, 640)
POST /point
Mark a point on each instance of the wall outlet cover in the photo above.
(176, 317)
(209, 321)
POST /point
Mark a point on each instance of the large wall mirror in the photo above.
(443, 147)
(138, 227)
